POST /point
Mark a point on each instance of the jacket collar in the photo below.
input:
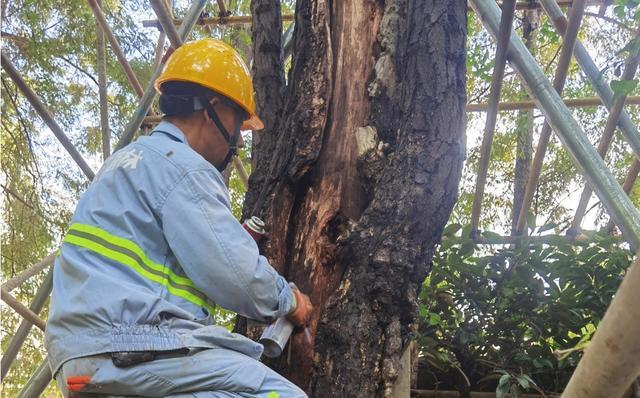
(170, 129)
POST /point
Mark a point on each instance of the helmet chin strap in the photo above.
(232, 140)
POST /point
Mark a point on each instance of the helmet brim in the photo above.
(253, 123)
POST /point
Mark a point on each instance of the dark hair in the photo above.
(177, 98)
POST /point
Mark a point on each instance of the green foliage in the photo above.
(511, 309)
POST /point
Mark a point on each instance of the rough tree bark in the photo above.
(356, 173)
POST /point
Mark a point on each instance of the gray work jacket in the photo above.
(152, 247)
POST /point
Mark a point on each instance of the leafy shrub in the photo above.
(495, 315)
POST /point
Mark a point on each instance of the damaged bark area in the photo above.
(363, 174)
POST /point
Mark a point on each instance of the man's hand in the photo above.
(302, 312)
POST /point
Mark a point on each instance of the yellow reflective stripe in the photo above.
(127, 260)
(116, 240)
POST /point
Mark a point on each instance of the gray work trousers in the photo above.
(206, 373)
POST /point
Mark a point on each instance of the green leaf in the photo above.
(623, 87)
(491, 236)
(523, 381)
(547, 227)
(503, 386)
(540, 363)
(631, 47)
(531, 220)
(467, 248)
(451, 229)
(434, 319)
(466, 231)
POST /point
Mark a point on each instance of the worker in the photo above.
(153, 247)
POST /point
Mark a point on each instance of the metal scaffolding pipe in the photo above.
(29, 272)
(21, 309)
(145, 102)
(611, 361)
(607, 136)
(591, 70)
(559, 78)
(38, 381)
(164, 17)
(102, 91)
(569, 102)
(37, 104)
(504, 32)
(102, 21)
(617, 203)
(9, 355)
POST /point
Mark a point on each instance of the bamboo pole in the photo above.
(627, 126)
(611, 361)
(559, 79)
(22, 309)
(584, 155)
(164, 17)
(607, 135)
(145, 102)
(569, 102)
(504, 32)
(29, 272)
(102, 91)
(629, 180)
(102, 21)
(44, 113)
(38, 381)
(10, 353)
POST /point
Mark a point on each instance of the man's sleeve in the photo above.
(217, 254)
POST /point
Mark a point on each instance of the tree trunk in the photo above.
(356, 174)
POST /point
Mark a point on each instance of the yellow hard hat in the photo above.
(215, 65)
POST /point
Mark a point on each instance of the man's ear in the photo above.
(207, 119)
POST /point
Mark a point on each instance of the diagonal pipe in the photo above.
(44, 113)
(164, 17)
(10, 353)
(591, 70)
(22, 309)
(115, 46)
(617, 203)
(38, 382)
(504, 32)
(607, 135)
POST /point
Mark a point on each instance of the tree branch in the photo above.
(610, 20)
(78, 68)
